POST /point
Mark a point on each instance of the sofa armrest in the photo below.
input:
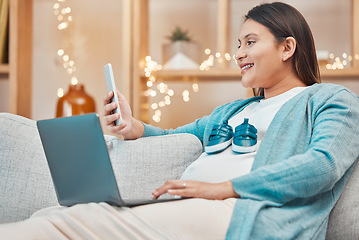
(25, 182)
(140, 166)
(344, 218)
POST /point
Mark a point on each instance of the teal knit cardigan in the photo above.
(301, 166)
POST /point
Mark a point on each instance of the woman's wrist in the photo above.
(137, 130)
(231, 192)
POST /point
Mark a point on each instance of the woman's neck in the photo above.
(287, 83)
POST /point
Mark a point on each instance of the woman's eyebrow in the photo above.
(247, 36)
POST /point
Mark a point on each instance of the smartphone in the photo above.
(110, 82)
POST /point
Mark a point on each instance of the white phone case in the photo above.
(110, 82)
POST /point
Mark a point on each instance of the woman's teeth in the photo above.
(247, 66)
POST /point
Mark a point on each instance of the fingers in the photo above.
(110, 119)
(180, 192)
(108, 108)
(107, 98)
(173, 187)
(197, 189)
(109, 116)
(117, 129)
(108, 105)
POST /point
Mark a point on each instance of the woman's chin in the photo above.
(246, 84)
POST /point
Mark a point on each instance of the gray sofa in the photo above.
(140, 166)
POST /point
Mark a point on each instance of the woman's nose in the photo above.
(240, 54)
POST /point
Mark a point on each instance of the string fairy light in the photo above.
(212, 59)
(60, 92)
(63, 15)
(64, 19)
(160, 89)
(338, 63)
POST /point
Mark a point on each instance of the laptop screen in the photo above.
(78, 159)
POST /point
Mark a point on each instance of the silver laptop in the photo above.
(79, 162)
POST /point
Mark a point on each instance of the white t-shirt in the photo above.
(227, 165)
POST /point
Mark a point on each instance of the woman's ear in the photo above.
(289, 46)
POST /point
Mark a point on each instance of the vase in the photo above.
(180, 55)
(75, 102)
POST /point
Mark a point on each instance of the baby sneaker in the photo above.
(245, 138)
(220, 138)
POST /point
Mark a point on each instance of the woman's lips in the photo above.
(246, 66)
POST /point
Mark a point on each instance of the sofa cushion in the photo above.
(140, 166)
(145, 164)
(344, 218)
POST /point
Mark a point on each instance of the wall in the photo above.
(92, 39)
(330, 21)
(95, 39)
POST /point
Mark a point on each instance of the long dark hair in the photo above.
(285, 21)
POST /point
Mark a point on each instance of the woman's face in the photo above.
(259, 56)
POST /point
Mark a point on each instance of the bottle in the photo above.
(75, 102)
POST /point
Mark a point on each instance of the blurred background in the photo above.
(175, 84)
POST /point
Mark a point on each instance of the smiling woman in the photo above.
(301, 139)
(289, 31)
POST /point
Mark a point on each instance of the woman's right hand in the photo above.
(130, 127)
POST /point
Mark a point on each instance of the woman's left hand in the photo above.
(196, 189)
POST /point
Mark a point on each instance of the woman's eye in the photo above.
(239, 46)
(250, 42)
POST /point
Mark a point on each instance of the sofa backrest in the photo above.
(140, 166)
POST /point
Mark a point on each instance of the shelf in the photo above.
(138, 31)
(4, 68)
(183, 75)
(233, 74)
(340, 73)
